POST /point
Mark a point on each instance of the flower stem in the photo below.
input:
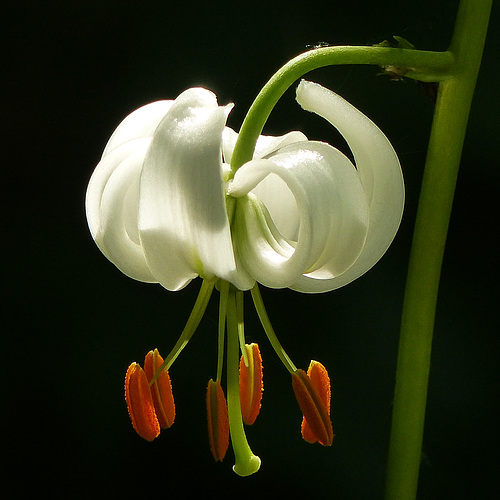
(436, 197)
(422, 65)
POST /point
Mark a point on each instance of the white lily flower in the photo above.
(162, 206)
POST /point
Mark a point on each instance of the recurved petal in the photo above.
(139, 124)
(266, 144)
(380, 173)
(112, 203)
(306, 214)
(183, 223)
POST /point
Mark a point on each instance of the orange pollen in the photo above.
(140, 403)
(218, 421)
(251, 384)
(313, 394)
(161, 389)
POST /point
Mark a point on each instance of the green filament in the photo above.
(191, 325)
(268, 328)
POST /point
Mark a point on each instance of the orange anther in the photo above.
(251, 384)
(312, 391)
(218, 421)
(140, 403)
(161, 389)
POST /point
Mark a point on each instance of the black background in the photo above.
(72, 70)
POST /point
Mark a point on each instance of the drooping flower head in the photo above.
(164, 206)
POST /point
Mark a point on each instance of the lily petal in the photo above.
(380, 173)
(140, 123)
(266, 144)
(183, 223)
(111, 204)
(315, 222)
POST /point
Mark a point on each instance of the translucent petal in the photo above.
(266, 144)
(380, 173)
(319, 194)
(112, 205)
(183, 223)
(140, 123)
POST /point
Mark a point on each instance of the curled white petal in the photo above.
(306, 214)
(112, 204)
(140, 123)
(266, 144)
(378, 169)
(183, 223)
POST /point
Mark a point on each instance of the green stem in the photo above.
(422, 65)
(436, 197)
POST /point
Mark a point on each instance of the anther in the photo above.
(313, 393)
(218, 422)
(251, 384)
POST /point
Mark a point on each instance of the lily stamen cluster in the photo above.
(149, 396)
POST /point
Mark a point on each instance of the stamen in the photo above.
(161, 389)
(268, 328)
(140, 403)
(224, 293)
(191, 325)
(241, 324)
(312, 391)
(218, 422)
(251, 384)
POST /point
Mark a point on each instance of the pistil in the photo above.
(246, 463)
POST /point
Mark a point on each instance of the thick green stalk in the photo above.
(436, 197)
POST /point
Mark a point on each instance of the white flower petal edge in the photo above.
(378, 168)
(155, 203)
(330, 211)
(183, 223)
(111, 206)
(266, 144)
(140, 123)
(328, 222)
(304, 216)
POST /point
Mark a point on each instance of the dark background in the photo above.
(72, 324)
